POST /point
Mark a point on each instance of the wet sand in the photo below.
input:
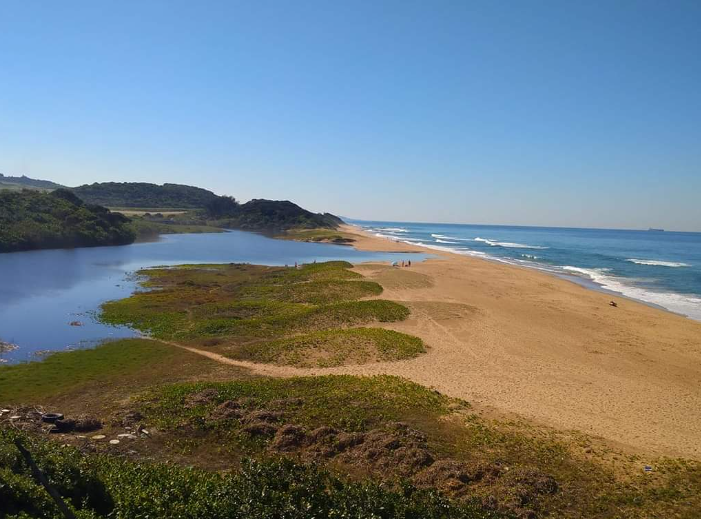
(521, 341)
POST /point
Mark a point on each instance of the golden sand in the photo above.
(525, 342)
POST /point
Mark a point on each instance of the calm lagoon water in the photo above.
(658, 268)
(42, 292)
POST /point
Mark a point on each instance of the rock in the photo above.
(87, 424)
(114, 442)
(64, 425)
(15, 417)
(128, 436)
(98, 437)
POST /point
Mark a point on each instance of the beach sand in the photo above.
(520, 341)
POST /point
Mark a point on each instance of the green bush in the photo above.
(97, 486)
(37, 220)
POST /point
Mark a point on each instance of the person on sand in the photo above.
(408, 263)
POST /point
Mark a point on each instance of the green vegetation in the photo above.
(269, 215)
(24, 182)
(241, 305)
(37, 220)
(142, 194)
(210, 209)
(318, 235)
(104, 486)
(65, 372)
(389, 428)
(347, 402)
(333, 348)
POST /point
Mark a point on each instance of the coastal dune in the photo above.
(516, 340)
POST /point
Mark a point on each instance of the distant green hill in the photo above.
(142, 194)
(272, 215)
(32, 219)
(23, 182)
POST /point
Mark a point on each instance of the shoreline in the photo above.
(548, 349)
(587, 283)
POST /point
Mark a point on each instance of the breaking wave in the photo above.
(507, 244)
(680, 303)
(658, 263)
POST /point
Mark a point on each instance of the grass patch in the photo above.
(333, 348)
(344, 401)
(71, 372)
(243, 303)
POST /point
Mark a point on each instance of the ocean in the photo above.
(660, 268)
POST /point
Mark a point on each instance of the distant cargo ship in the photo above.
(653, 229)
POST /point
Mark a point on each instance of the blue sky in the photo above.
(527, 112)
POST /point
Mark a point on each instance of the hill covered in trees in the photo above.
(38, 220)
(23, 182)
(267, 215)
(145, 195)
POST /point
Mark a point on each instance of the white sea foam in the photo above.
(444, 237)
(507, 244)
(529, 256)
(681, 303)
(392, 229)
(438, 240)
(658, 263)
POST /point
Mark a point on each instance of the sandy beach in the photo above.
(520, 341)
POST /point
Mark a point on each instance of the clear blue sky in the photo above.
(509, 112)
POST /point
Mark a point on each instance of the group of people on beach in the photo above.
(406, 263)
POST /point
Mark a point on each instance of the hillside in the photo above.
(36, 220)
(23, 182)
(273, 215)
(142, 194)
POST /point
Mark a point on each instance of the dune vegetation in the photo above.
(313, 315)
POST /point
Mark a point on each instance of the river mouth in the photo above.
(49, 299)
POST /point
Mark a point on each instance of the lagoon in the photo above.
(49, 298)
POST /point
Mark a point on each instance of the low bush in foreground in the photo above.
(102, 486)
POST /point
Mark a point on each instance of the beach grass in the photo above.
(344, 401)
(331, 348)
